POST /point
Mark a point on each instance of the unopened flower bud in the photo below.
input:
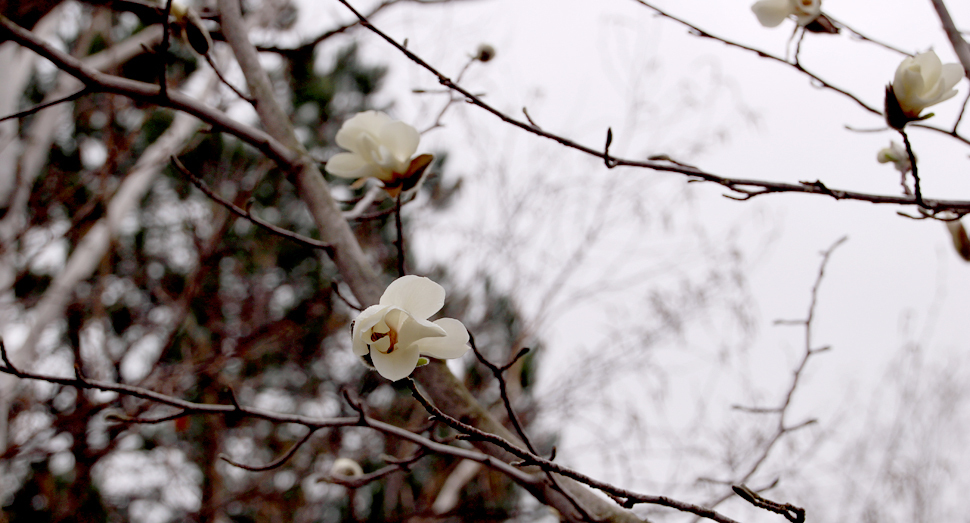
(485, 53)
(191, 28)
(346, 467)
(920, 81)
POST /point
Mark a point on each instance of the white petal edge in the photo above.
(412, 329)
(401, 139)
(398, 364)
(370, 122)
(929, 64)
(365, 320)
(418, 295)
(453, 345)
(952, 74)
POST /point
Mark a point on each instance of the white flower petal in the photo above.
(453, 345)
(418, 295)
(929, 64)
(397, 364)
(378, 146)
(922, 81)
(772, 12)
(401, 139)
(349, 165)
(365, 321)
(367, 122)
(951, 74)
(413, 330)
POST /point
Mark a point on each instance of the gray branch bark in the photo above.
(960, 46)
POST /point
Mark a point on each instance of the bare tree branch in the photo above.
(97, 81)
(745, 188)
(80, 382)
(357, 272)
(960, 46)
(349, 258)
(247, 214)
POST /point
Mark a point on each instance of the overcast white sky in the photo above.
(582, 66)
(528, 204)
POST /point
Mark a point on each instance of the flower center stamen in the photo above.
(386, 347)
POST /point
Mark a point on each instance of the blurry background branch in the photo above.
(190, 408)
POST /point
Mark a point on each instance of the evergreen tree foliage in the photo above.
(197, 303)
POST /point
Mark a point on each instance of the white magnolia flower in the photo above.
(922, 81)
(379, 148)
(773, 12)
(346, 467)
(896, 154)
(393, 335)
(806, 11)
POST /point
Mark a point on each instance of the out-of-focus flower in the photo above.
(896, 154)
(771, 13)
(381, 148)
(346, 467)
(920, 81)
(394, 335)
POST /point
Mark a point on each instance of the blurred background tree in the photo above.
(196, 302)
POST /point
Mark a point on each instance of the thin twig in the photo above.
(276, 463)
(963, 109)
(145, 421)
(399, 240)
(499, 373)
(245, 213)
(860, 36)
(700, 32)
(97, 81)
(918, 193)
(336, 290)
(313, 42)
(395, 465)
(791, 512)
(240, 94)
(45, 105)
(162, 51)
(623, 497)
(747, 188)
(81, 382)
(697, 31)
(782, 428)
